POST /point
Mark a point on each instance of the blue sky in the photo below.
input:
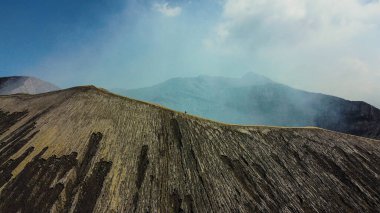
(321, 46)
(30, 30)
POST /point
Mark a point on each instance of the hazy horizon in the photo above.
(319, 46)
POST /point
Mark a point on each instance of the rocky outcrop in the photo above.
(86, 150)
(353, 117)
(24, 84)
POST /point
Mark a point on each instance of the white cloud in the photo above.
(306, 43)
(167, 10)
(298, 21)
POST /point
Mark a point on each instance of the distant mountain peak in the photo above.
(255, 99)
(254, 78)
(248, 79)
(253, 75)
(24, 84)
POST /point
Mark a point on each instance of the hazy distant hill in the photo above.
(254, 99)
(24, 84)
(86, 150)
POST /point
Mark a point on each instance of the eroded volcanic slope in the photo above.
(83, 149)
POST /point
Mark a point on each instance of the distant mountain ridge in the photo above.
(24, 84)
(257, 100)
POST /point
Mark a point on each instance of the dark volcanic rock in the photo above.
(353, 117)
(86, 150)
(24, 84)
